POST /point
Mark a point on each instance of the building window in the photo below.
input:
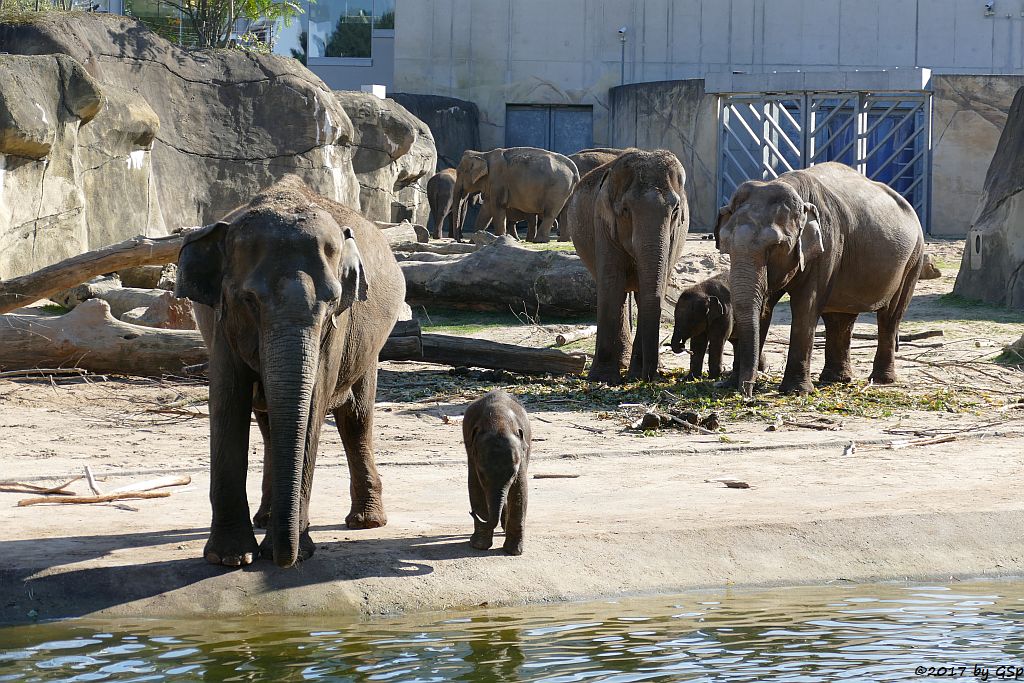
(383, 15)
(340, 29)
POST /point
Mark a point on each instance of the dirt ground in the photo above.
(836, 491)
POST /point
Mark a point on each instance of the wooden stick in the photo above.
(92, 481)
(811, 425)
(896, 445)
(152, 484)
(18, 487)
(556, 476)
(137, 251)
(914, 336)
(689, 425)
(43, 372)
(575, 335)
(86, 500)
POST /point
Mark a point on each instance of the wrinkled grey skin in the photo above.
(630, 219)
(440, 190)
(534, 181)
(496, 431)
(586, 160)
(304, 293)
(839, 245)
(703, 315)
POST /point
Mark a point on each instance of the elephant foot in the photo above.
(512, 545)
(482, 539)
(796, 385)
(655, 376)
(540, 240)
(728, 382)
(261, 519)
(369, 516)
(886, 377)
(605, 374)
(835, 376)
(231, 548)
(306, 547)
(714, 373)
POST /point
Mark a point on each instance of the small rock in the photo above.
(929, 271)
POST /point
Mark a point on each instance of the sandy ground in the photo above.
(641, 513)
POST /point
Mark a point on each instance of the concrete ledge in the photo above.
(889, 80)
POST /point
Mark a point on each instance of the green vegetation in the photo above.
(54, 309)
(553, 245)
(970, 309)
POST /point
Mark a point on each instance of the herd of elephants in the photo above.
(296, 295)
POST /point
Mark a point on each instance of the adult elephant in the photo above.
(440, 190)
(838, 244)
(534, 181)
(630, 219)
(586, 160)
(305, 292)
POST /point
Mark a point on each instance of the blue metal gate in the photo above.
(564, 129)
(885, 136)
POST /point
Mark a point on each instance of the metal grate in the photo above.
(885, 136)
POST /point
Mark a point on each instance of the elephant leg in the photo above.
(698, 347)
(797, 378)
(483, 536)
(883, 370)
(516, 511)
(716, 347)
(612, 350)
(838, 335)
(262, 516)
(544, 231)
(531, 228)
(355, 424)
(498, 217)
(232, 541)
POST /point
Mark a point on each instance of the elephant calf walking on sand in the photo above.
(629, 222)
(497, 435)
(304, 293)
(839, 244)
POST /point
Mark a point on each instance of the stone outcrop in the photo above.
(393, 156)
(992, 268)
(108, 131)
(454, 123)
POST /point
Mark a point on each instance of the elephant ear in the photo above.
(604, 211)
(354, 283)
(715, 308)
(201, 265)
(477, 168)
(724, 214)
(809, 243)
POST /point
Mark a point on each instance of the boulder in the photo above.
(454, 123)
(393, 157)
(993, 259)
(167, 312)
(137, 135)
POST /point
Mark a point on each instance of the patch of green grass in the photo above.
(553, 245)
(701, 396)
(54, 309)
(962, 305)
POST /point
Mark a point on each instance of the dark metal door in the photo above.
(559, 128)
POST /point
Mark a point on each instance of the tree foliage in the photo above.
(214, 22)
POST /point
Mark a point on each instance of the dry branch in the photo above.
(914, 336)
(85, 500)
(480, 353)
(575, 335)
(138, 251)
(153, 484)
(19, 487)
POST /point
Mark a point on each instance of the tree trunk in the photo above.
(501, 275)
(401, 233)
(480, 353)
(138, 251)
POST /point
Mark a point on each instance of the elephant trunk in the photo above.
(460, 207)
(749, 285)
(290, 358)
(653, 269)
(497, 498)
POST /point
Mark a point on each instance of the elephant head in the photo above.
(695, 311)
(470, 180)
(771, 235)
(281, 285)
(641, 212)
(499, 455)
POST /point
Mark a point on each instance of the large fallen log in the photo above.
(501, 275)
(398, 233)
(120, 299)
(481, 353)
(138, 251)
(89, 337)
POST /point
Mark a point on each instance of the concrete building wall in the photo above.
(379, 71)
(494, 52)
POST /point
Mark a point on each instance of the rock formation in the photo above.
(454, 123)
(393, 157)
(993, 260)
(108, 131)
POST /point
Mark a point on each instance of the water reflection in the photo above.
(876, 633)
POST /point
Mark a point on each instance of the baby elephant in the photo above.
(497, 435)
(704, 316)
